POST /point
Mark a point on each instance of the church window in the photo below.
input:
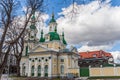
(32, 71)
(29, 58)
(35, 58)
(32, 36)
(23, 69)
(62, 69)
(42, 57)
(32, 60)
(39, 60)
(39, 70)
(49, 57)
(46, 60)
(46, 71)
(62, 60)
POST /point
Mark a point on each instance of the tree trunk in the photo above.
(1, 71)
(18, 68)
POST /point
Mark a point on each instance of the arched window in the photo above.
(39, 70)
(23, 69)
(62, 69)
(32, 71)
(46, 70)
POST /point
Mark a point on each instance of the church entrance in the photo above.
(39, 70)
(46, 71)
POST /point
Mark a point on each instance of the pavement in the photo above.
(5, 77)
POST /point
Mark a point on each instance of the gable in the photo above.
(39, 48)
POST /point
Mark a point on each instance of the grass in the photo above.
(34, 78)
(105, 77)
(17, 78)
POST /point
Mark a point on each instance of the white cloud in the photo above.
(116, 56)
(92, 48)
(96, 24)
(41, 24)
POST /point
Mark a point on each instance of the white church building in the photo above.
(48, 55)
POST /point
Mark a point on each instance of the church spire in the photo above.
(63, 39)
(52, 24)
(52, 15)
(42, 39)
(33, 30)
(26, 50)
(33, 21)
(53, 19)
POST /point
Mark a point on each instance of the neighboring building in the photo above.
(97, 63)
(95, 58)
(10, 67)
(48, 56)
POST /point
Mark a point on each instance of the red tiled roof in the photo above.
(93, 54)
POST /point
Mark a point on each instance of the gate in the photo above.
(84, 72)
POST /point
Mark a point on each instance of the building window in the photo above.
(39, 70)
(23, 69)
(62, 60)
(32, 60)
(46, 70)
(42, 57)
(36, 58)
(62, 69)
(46, 60)
(32, 71)
(94, 55)
(39, 60)
(49, 57)
(29, 58)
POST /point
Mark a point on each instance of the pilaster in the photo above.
(29, 68)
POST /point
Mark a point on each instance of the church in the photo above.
(48, 55)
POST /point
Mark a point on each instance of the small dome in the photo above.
(54, 36)
(52, 20)
(32, 27)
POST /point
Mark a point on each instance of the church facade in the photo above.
(48, 56)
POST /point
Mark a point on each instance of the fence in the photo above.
(99, 71)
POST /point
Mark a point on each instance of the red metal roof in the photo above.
(92, 54)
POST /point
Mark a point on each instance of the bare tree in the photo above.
(6, 7)
(9, 39)
(18, 49)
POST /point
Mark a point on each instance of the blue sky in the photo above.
(94, 27)
(57, 5)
